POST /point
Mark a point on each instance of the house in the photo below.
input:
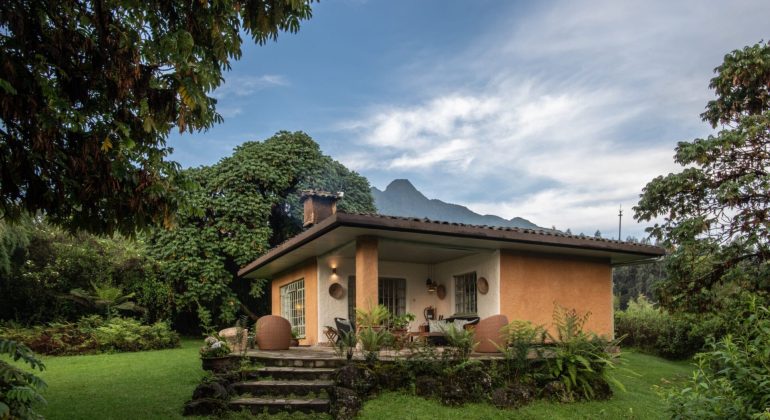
(344, 261)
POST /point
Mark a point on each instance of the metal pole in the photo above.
(620, 218)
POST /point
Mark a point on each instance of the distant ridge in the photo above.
(401, 198)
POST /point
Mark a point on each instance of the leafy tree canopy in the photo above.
(89, 91)
(241, 207)
(715, 213)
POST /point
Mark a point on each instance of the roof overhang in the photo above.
(341, 229)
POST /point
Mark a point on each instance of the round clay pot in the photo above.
(487, 333)
(273, 333)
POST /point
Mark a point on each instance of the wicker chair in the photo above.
(273, 333)
(489, 335)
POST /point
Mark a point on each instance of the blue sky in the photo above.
(555, 111)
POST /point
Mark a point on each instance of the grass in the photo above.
(149, 384)
(155, 385)
(638, 402)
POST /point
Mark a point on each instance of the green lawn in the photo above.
(155, 384)
(142, 385)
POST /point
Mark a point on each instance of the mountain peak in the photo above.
(400, 185)
(401, 198)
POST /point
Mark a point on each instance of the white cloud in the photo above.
(237, 85)
(587, 97)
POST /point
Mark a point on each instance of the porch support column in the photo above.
(367, 272)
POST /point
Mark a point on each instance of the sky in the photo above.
(555, 111)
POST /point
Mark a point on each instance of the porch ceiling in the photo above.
(409, 252)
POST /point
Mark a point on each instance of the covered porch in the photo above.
(428, 279)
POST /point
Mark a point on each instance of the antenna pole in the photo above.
(620, 219)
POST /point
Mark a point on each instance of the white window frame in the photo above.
(466, 296)
(293, 305)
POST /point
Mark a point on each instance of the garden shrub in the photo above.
(466, 382)
(655, 331)
(92, 334)
(732, 379)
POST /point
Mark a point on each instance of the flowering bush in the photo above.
(214, 348)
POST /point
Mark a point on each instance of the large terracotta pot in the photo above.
(488, 334)
(230, 335)
(273, 333)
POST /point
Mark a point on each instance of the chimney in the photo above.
(318, 205)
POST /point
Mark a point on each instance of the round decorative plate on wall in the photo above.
(482, 285)
(441, 291)
(336, 291)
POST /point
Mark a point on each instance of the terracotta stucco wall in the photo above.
(531, 283)
(367, 271)
(307, 271)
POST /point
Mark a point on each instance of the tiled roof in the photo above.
(541, 231)
(545, 237)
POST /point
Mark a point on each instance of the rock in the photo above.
(204, 407)
(210, 390)
(513, 396)
(602, 390)
(556, 391)
(426, 386)
(345, 403)
(466, 383)
(393, 376)
(357, 377)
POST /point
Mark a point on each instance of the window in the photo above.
(465, 293)
(293, 305)
(392, 294)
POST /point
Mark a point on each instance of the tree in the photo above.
(89, 91)
(241, 207)
(19, 388)
(598, 234)
(715, 213)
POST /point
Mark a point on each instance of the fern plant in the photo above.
(461, 341)
(580, 359)
(522, 337)
(19, 390)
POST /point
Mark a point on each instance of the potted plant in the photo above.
(372, 318)
(215, 354)
(401, 322)
(372, 342)
(399, 329)
(294, 337)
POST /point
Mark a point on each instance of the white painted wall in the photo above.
(417, 297)
(485, 264)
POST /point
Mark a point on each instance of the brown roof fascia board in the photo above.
(416, 225)
(290, 244)
(529, 236)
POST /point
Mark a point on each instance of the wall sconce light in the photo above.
(431, 285)
(334, 271)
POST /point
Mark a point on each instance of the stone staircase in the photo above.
(287, 383)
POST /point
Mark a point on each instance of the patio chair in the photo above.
(332, 335)
(344, 327)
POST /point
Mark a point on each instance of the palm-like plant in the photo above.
(107, 297)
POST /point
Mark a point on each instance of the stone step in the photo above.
(277, 405)
(273, 387)
(306, 362)
(292, 373)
